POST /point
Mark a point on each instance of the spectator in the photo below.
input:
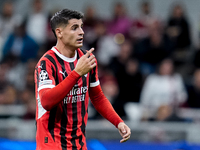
(164, 88)
(196, 56)
(153, 49)
(4, 67)
(8, 20)
(16, 72)
(29, 78)
(25, 96)
(37, 23)
(18, 49)
(110, 88)
(118, 66)
(90, 17)
(8, 95)
(140, 25)
(117, 63)
(167, 113)
(50, 37)
(178, 30)
(92, 25)
(130, 82)
(20, 44)
(120, 23)
(193, 100)
(104, 42)
(196, 59)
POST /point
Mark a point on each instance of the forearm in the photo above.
(52, 97)
(103, 106)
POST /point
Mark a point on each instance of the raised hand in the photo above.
(85, 63)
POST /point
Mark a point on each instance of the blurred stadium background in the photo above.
(148, 54)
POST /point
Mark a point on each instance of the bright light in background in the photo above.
(119, 38)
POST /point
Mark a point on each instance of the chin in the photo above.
(79, 45)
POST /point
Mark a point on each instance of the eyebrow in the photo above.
(76, 25)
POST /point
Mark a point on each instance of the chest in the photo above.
(63, 70)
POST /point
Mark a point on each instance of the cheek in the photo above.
(68, 37)
(71, 39)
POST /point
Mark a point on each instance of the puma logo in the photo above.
(85, 75)
(63, 73)
(40, 66)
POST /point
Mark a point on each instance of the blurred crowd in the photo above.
(145, 60)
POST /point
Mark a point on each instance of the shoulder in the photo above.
(177, 75)
(152, 77)
(47, 57)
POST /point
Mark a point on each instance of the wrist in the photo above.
(75, 74)
(78, 72)
(122, 122)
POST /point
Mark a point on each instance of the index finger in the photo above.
(125, 139)
(89, 52)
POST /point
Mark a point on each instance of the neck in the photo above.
(66, 51)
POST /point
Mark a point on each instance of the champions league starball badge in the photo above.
(43, 75)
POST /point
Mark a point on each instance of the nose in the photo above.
(81, 31)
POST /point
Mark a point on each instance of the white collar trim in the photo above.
(64, 57)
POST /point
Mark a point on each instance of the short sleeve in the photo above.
(94, 79)
(44, 75)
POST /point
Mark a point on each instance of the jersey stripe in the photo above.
(82, 103)
(93, 79)
(37, 76)
(63, 129)
(52, 115)
(83, 111)
(37, 85)
(75, 118)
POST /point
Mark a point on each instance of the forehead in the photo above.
(72, 22)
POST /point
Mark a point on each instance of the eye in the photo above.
(74, 28)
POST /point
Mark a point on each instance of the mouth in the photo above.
(80, 40)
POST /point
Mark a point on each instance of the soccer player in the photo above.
(65, 78)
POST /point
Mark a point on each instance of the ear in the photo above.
(58, 32)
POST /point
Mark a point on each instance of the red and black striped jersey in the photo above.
(63, 127)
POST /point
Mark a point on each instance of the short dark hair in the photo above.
(62, 17)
